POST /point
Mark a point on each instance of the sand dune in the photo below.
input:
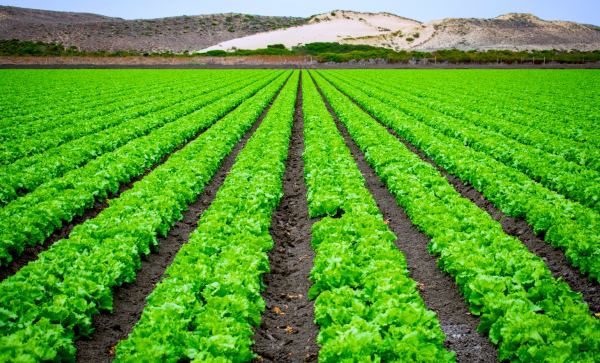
(381, 29)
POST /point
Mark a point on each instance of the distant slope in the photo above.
(225, 31)
(344, 27)
(511, 31)
(95, 32)
(514, 32)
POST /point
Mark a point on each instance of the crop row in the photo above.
(573, 120)
(49, 302)
(60, 105)
(566, 224)
(497, 105)
(27, 174)
(32, 218)
(368, 308)
(205, 309)
(100, 104)
(531, 315)
(24, 89)
(554, 172)
(134, 108)
(489, 117)
(56, 92)
(540, 95)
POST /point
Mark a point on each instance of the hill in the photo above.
(92, 32)
(232, 31)
(514, 32)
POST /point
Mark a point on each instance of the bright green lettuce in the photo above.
(529, 314)
(368, 308)
(73, 279)
(205, 309)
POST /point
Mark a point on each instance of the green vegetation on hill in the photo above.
(323, 52)
(322, 48)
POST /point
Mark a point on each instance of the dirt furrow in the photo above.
(438, 290)
(129, 299)
(287, 331)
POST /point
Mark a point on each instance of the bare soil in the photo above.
(129, 299)
(287, 332)
(438, 289)
(19, 63)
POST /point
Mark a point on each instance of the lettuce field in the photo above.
(299, 216)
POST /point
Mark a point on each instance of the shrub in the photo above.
(216, 53)
(410, 39)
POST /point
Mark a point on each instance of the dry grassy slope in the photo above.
(94, 32)
(511, 31)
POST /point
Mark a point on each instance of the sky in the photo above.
(581, 11)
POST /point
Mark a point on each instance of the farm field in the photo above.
(299, 216)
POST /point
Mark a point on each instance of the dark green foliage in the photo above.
(324, 52)
(16, 47)
(323, 47)
(216, 53)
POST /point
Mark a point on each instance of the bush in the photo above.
(216, 53)
(410, 39)
(276, 46)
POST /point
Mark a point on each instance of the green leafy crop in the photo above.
(529, 314)
(368, 308)
(205, 309)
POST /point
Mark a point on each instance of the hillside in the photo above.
(514, 32)
(510, 31)
(92, 32)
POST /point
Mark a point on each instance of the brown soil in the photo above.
(438, 290)
(553, 257)
(291, 260)
(129, 299)
(10, 64)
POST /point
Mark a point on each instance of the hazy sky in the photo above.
(582, 11)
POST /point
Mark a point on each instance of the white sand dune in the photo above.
(344, 27)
